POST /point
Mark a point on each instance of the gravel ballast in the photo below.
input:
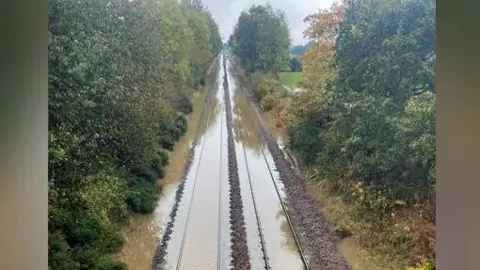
(160, 252)
(316, 237)
(240, 255)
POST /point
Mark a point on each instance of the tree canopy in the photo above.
(298, 50)
(368, 112)
(295, 64)
(261, 40)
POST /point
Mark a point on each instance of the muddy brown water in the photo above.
(144, 231)
(201, 235)
(257, 170)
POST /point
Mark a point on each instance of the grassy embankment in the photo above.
(344, 214)
(290, 79)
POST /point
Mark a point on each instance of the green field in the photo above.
(290, 78)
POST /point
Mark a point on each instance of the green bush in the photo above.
(172, 132)
(304, 138)
(268, 102)
(185, 105)
(159, 162)
(86, 256)
(167, 141)
(262, 85)
(81, 240)
(163, 156)
(107, 263)
(146, 173)
(158, 167)
(267, 89)
(84, 228)
(142, 196)
(60, 253)
(424, 265)
(181, 125)
(119, 87)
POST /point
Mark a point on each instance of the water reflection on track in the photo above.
(270, 235)
(200, 239)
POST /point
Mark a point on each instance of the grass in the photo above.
(373, 242)
(340, 214)
(290, 79)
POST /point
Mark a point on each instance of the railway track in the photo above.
(188, 246)
(161, 260)
(229, 115)
(158, 261)
(257, 214)
(192, 199)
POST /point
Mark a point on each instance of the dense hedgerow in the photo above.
(120, 78)
(366, 122)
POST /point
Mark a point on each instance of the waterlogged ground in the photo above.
(226, 207)
(144, 231)
(257, 170)
(200, 237)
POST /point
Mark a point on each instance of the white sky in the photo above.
(226, 13)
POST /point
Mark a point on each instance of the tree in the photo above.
(309, 45)
(295, 64)
(377, 48)
(297, 50)
(368, 113)
(261, 40)
(215, 38)
(323, 31)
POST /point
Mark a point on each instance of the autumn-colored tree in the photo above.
(322, 30)
(368, 115)
(310, 113)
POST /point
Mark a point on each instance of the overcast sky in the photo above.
(226, 13)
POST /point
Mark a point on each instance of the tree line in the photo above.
(298, 50)
(365, 123)
(261, 40)
(121, 74)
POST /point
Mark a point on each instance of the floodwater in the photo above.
(358, 258)
(257, 172)
(201, 237)
(201, 234)
(144, 232)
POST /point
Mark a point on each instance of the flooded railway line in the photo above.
(229, 211)
(279, 245)
(198, 237)
(315, 232)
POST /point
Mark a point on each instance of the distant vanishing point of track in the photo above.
(229, 210)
